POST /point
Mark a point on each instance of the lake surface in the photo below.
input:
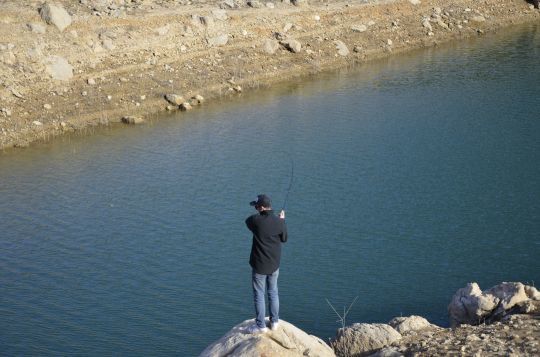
(412, 176)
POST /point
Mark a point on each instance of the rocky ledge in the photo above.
(502, 321)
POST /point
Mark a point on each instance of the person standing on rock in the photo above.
(269, 232)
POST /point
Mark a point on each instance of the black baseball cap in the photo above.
(262, 200)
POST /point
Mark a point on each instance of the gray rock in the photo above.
(185, 106)
(220, 14)
(270, 46)
(37, 28)
(287, 341)
(363, 339)
(532, 292)
(220, 40)
(415, 2)
(228, 4)
(478, 18)
(410, 323)
(58, 68)
(207, 21)
(427, 24)
(292, 45)
(55, 15)
(299, 2)
(342, 48)
(254, 4)
(132, 120)
(175, 99)
(163, 30)
(359, 28)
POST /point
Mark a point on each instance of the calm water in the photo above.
(412, 177)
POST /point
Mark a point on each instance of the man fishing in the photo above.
(269, 232)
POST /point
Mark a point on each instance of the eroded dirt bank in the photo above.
(101, 60)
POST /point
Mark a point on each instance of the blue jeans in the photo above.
(260, 284)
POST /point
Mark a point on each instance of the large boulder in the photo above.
(471, 306)
(362, 339)
(286, 341)
(55, 14)
(410, 324)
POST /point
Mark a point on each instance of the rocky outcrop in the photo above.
(363, 339)
(286, 341)
(471, 306)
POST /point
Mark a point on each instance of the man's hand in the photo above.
(282, 214)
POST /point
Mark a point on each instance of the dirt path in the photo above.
(121, 57)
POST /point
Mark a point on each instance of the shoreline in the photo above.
(124, 65)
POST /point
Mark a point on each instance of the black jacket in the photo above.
(269, 231)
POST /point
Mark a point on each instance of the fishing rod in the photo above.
(291, 179)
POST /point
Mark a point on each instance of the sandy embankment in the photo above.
(126, 55)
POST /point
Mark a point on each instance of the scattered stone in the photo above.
(415, 2)
(287, 27)
(37, 123)
(228, 4)
(185, 106)
(175, 99)
(362, 339)
(58, 68)
(91, 81)
(47, 106)
(37, 28)
(317, 18)
(478, 18)
(359, 28)
(270, 5)
(199, 98)
(108, 44)
(299, 2)
(270, 46)
(55, 15)
(342, 48)
(237, 89)
(293, 46)
(389, 42)
(220, 40)
(220, 14)
(287, 340)
(163, 30)
(427, 24)
(132, 120)
(16, 93)
(254, 4)
(109, 97)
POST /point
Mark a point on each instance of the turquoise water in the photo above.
(412, 177)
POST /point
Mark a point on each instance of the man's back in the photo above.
(269, 232)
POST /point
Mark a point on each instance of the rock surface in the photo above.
(286, 341)
(363, 339)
